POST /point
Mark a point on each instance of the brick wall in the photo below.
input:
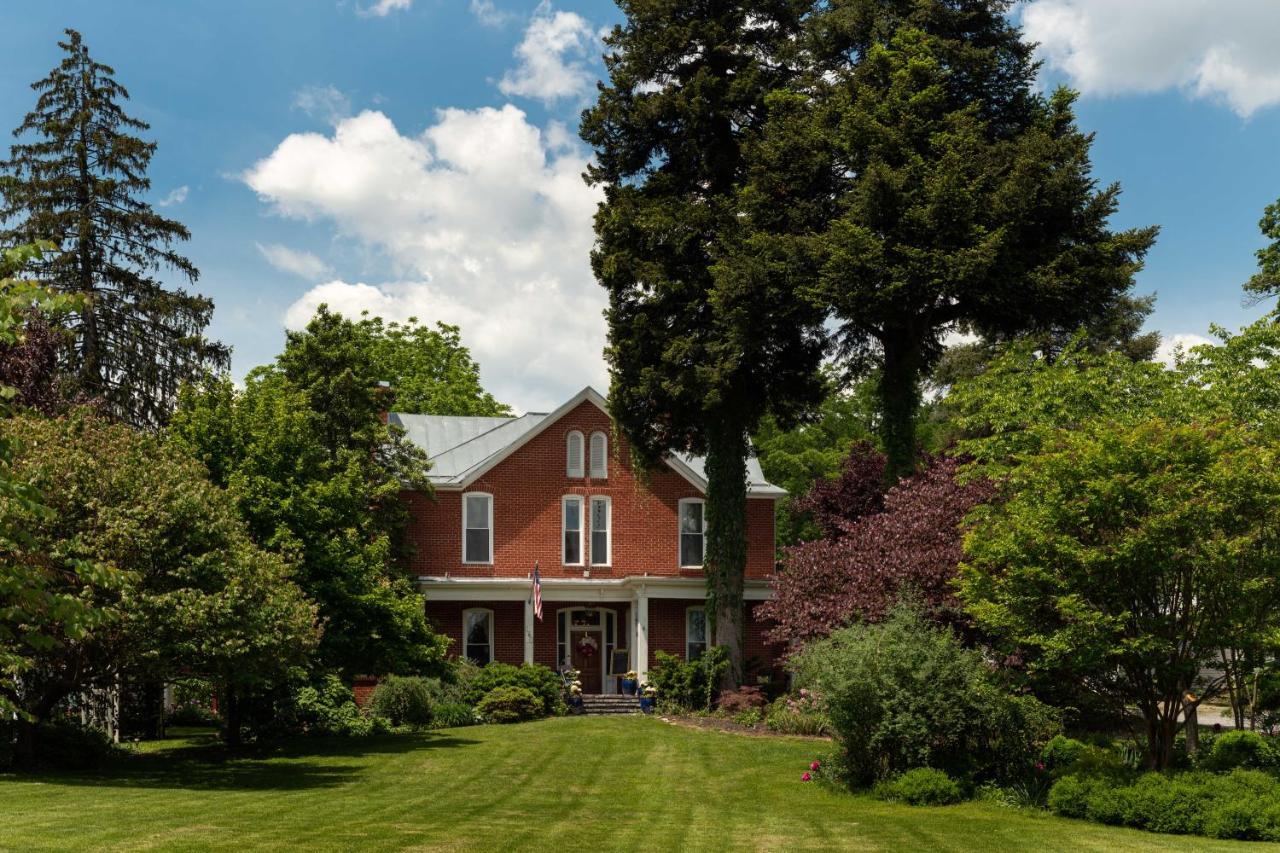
(527, 488)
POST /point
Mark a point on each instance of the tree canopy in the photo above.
(77, 177)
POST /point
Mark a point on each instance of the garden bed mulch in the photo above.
(720, 724)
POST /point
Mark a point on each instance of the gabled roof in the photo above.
(462, 449)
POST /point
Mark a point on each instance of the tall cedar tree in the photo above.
(705, 337)
(77, 179)
(927, 186)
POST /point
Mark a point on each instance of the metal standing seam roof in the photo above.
(458, 446)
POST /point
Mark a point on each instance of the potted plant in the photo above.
(648, 696)
(629, 683)
(575, 695)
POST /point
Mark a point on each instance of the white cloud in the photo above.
(383, 8)
(299, 263)
(1218, 49)
(176, 196)
(552, 57)
(488, 224)
(1173, 345)
(323, 102)
(489, 14)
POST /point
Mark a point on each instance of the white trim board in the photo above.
(571, 589)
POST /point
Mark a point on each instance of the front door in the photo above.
(585, 656)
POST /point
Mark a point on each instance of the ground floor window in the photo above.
(477, 633)
(695, 632)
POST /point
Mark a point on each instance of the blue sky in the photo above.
(419, 157)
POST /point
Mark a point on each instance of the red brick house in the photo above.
(620, 556)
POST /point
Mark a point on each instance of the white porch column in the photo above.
(640, 644)
(528, 629)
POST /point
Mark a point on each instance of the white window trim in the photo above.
(680, 531)
(706, 640)
(492, 626)
(601, 473)
(488, 562)
(570, 471)
(608, 515)
(582, 526)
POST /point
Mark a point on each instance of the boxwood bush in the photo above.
(510, 704)
(536, 678)
(923, 786)
(404, 700)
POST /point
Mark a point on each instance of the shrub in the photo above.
(328, 707)
(510, 705)
(742, 699)
(1069, 796)
(63, 745)
(1062, 751)
(751, 717)
(191, 715)
(785, 721)
(537, 679)
(922, 786)
(905, 693)
(689, 685)
(1239, 749)
(452, 715)
(404, 701)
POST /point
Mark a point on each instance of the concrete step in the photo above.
(600, 704)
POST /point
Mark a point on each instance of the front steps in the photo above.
(600, 704)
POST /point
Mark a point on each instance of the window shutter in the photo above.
(599, 455)
(573, 452)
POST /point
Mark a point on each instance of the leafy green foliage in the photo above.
(921, 786)
(510, 704)
(452, 715)
(1125, 557)
(540, 680)
(689, 685)
(328, 707)
(403, 700)
(136, 565)
(318, 477)
(77, 175)
(1245, 749)
(905, 693)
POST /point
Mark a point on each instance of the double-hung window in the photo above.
(477, 527)
(571, 524)
(693, 533)
(477, 635)
(601, 522)
(695, 632)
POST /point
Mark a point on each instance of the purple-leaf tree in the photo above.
(913, 545)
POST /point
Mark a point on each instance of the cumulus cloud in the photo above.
(489, 14)
(1218, 49)
(327, 103)
(383, 8)
(552, 57)
(176, 196)
(487, 222)
(288, 260)
(1173, 345)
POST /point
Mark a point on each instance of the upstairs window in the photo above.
(477, 528)
(572, 526)
(695, 632)
(601, 510)
(477, 635)
(599, 456)
(573, 454)
(693, 533)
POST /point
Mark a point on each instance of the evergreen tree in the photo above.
(930, 187)
(704, 336)
(77, 177)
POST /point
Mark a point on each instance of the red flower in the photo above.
(805, 777)
(1039, 766)
(814, 766)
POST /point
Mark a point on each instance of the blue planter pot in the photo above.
(646, 704)
(629, 686)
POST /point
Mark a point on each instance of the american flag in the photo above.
(537, 592)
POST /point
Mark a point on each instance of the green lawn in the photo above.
(563, 784)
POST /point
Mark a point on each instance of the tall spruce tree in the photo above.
(704, 336)
(77, 176)
(930, 187)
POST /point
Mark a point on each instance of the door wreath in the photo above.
(588, 646)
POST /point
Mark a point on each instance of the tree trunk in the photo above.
(726, 532)
(899, 393)
(231, 715)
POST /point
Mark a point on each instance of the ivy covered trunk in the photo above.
(899, 392)
(726, 557)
